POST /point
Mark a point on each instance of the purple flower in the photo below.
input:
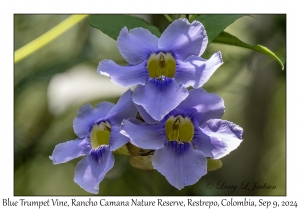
(186, 136)
(98, 131)
(162, 67)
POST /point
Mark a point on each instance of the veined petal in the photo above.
(180, 168)
(146, 117)
(195, 71)
(144, 135)
(70, 150)
(158, 98)
(116, 138)
(125, 76)
(123, 109)
(86, 115)
(136, 45)
(218, 138)
(184, 39)
(90, 171)
(208, 105)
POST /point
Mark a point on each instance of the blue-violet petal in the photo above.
(184, 39)
(180, 164)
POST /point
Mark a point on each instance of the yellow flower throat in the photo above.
(100, 134)
(179, 129)
(161, 64)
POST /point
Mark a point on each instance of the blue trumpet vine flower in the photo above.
(162, 68)
(98, 131)
(186, 136)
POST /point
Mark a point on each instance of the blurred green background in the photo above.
(51, 84)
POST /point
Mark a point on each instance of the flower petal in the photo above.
(144, 135)
(146, 117)
(123, 109)
(70, 150)
(116, 138)
(136, 45)
(158, 98)
(184, 39)
(90, 171)
(208, 105)
(86, 115)
(195, 71)
(218, 138)
(180, 166)
(125, 76)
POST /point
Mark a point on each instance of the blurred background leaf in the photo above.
(51, 85)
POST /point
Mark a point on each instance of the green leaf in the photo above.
(226, 38)
(213, 165)
(112, 24)
(215, 24)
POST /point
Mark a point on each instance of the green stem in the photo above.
(182, 16)
(47, 37)
(192, 17)
(168, 17)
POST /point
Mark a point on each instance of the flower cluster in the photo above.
(182, 127)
